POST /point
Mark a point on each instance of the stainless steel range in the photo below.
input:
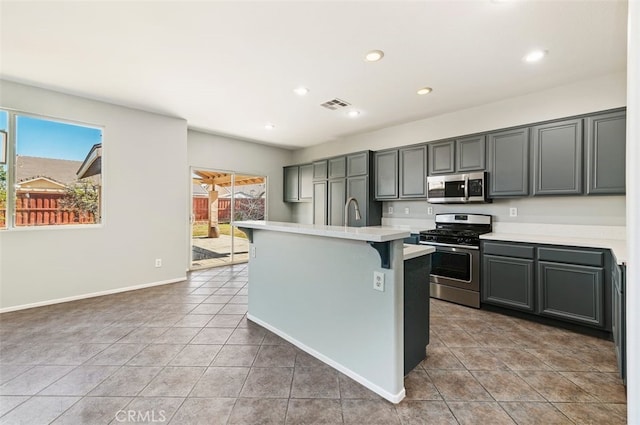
(455, 265)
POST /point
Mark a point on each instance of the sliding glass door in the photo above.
(218, 197)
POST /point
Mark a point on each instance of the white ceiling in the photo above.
(229, 67)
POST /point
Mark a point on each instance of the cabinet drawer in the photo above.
(573, 256)
(508, 250)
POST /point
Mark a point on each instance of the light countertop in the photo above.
(617, 246)
(367, 234)
(414, 251)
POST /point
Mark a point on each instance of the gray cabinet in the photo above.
(358, 164)
(564, 283)
(571, 292)
(337, 195)
(509, 163)
(386, 174)
(306, 182)
(470, 154)
(337, 167)
(413, 172)
(320, 202)
(442, 157)
(298, 183)
(557, 158)
(291, 184)
(358, 187)
(508, 275)
(606, 143)
(618, 319)
(320, 170)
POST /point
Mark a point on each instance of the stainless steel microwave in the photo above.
(457, 188)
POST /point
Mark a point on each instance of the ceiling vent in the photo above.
(334, 104)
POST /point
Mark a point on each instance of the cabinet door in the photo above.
(358, 164)
(470, 154)
(320, 202)
(358, 187)
(508, 282)
(306, 182)
(606, 142)
(337, 167)
(509, 163)
(386, 174)
(557, 158)
(618, 318)
(442, 157)
(413, 172)
(291, 184)
(320, 170)
(571, 292)
(337, 197)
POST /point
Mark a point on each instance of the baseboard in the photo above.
(393, 398)
(91, 295)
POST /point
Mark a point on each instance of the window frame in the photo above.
(11, 150)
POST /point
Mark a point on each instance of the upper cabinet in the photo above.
(298, 183)
(386, 174)
(557, 158)
(606, 136)
(358, 164)
(457, 156)
(470, 154)
(413, 172)
(442, 157)
(337, 168)
(509, 163)
(320, 170)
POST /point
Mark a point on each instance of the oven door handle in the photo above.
(450, 245)
(466, 187)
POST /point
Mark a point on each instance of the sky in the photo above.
(52, 139)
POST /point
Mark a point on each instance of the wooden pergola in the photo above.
(221, 179)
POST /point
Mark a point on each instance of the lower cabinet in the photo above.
(508, 282)
(564, 283)
(618, 318)
(571, 292)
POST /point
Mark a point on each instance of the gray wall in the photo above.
(145, 208)
(592, 95)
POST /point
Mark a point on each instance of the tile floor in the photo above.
(185, 354)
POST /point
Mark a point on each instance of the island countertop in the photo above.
(367, 234)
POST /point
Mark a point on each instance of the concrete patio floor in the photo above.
(220, 248)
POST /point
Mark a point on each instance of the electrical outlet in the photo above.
(513, 212)
(390, 210)
(430, 210)
(378, 281)
(158, 262)
(253, 251)
(406, 210)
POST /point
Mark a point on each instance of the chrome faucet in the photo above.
(346, 210)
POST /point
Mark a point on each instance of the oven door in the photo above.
(455, 265)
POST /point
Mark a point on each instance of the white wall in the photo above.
(593, 95)
(633, 216)
(144, 162)
(222, 153)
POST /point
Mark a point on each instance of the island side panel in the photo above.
(318, 293)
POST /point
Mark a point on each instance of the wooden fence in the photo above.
(44, 210)
(245, 207)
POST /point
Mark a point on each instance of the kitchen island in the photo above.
(313, 285)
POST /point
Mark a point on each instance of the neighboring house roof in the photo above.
(199, 191)
(29, 168)
(92, 164)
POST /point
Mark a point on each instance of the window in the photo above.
(52, 175)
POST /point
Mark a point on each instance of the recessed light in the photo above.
(301, 91)
(374, 55)
(269, 126)
(424, 90)
(535, 56)
(353, 113)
